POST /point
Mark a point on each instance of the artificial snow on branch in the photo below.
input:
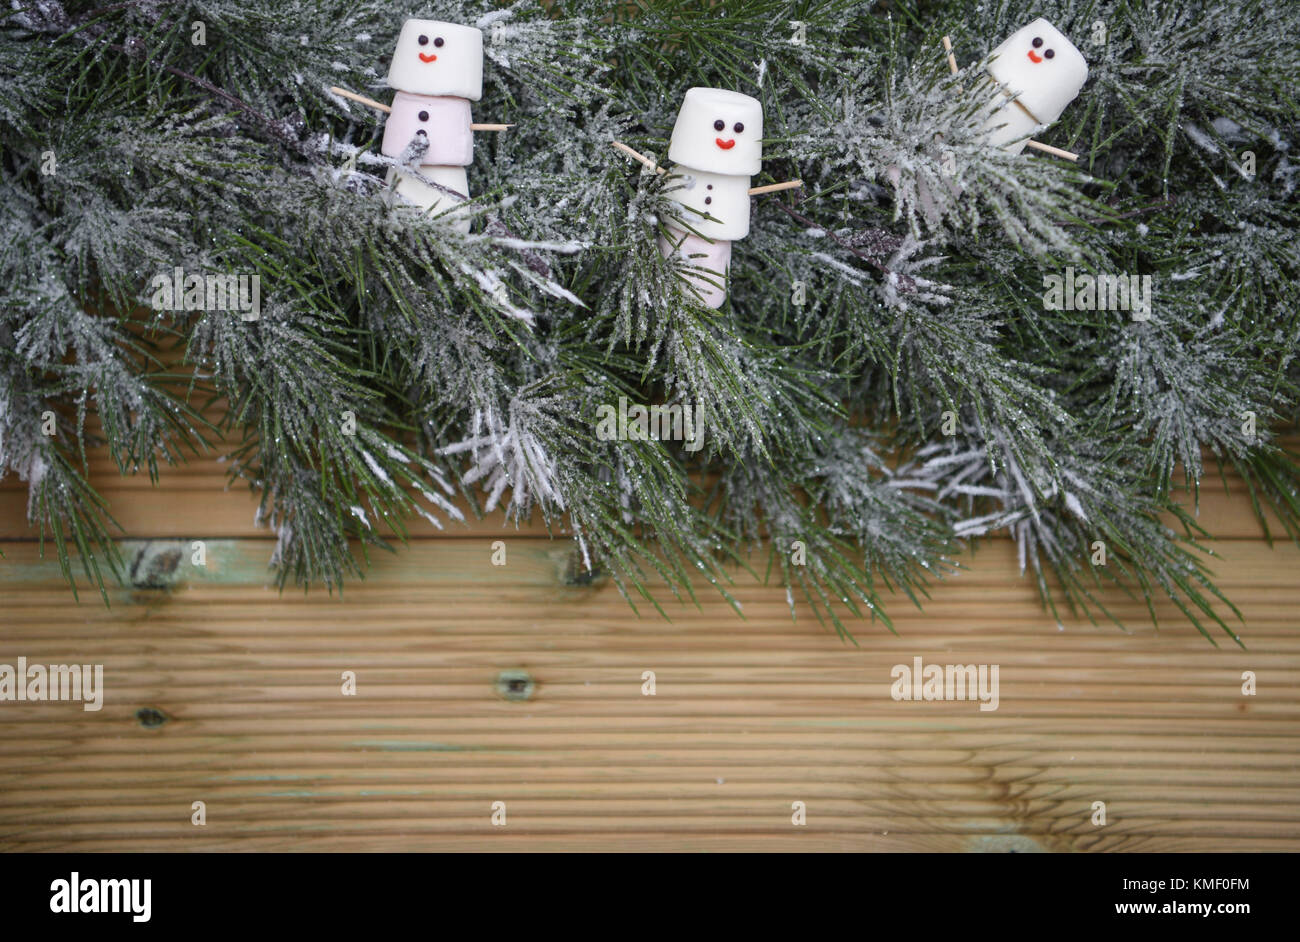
(921, 342)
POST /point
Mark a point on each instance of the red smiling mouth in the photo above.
(428, 58)
(1034, 57)
(725, 145)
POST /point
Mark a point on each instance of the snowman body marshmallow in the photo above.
(437, 71)
(716, 144)
(1040, 72)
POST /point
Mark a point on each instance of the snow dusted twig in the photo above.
(1140, 211)
(905, 283)
(277, 128)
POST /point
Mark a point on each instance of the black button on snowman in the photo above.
(437, 70)
(717, 146)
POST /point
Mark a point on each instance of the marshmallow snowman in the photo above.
(437, 58)
(437, 70)
(717, 145)
(1042, 72)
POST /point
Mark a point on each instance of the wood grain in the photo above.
(749, 715)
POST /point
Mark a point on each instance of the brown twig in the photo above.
(496, 227)
(905, 282)
(207, 86)
(1167, 201)
(114, 7)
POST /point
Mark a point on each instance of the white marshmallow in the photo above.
(1016, 123)
(443, 121)
(699, 144)
(709, 263)
(429, 199)
(449, 61)
(722, 196)
(1046, 76)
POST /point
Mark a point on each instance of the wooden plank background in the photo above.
(222, 690)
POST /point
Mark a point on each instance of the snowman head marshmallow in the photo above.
(718, 131)
(437, 58)
(1040, 65)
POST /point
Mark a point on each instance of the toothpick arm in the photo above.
(1054, 151)
(775, 187)
(369, 102)
(380, 106)
(952, 60)
(755, 191)
(635, 155)
(1045, 148)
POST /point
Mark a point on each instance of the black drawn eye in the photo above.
(438, 42)
(719, 124)
(739, 127)
(424, 40)
(1038, 41)
(1048, 54)
(424, 116)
